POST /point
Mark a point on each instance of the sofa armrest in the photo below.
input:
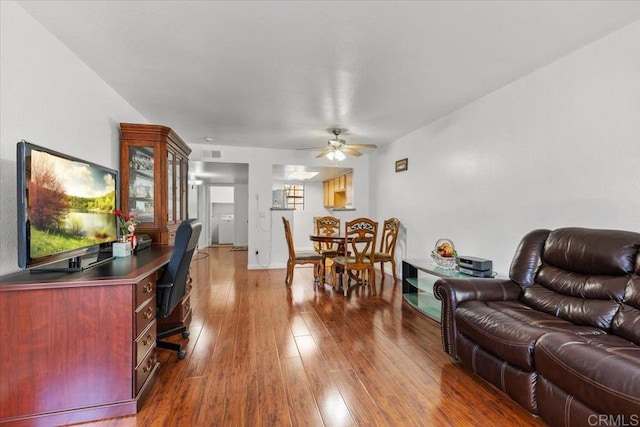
(454, 291)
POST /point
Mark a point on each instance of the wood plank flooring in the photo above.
(260, 354)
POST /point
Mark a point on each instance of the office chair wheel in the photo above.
(185, 334)
(182, 354)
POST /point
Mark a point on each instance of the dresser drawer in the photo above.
(179, 317)
(144, 369)
(145, 288)
(145, 314)
(145, 342)
(185, 307)
(189, 286)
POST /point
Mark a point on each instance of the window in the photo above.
(294, 196)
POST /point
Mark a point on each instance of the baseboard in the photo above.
(267, 267)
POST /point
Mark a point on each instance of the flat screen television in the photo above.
(65, 209)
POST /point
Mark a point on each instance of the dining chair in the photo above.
(326, 226)
(388, 241)
(360, 241)
(300, 257)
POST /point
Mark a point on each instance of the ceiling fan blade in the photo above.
(349, 150)
(361, 146)
(325, 152)
(324, 147)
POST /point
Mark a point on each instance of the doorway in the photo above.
(223, 202)
(221, 215)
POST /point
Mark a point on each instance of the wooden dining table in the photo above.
(340, 241)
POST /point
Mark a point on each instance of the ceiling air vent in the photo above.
(211, 154)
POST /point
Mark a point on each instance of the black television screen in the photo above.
(65, 206)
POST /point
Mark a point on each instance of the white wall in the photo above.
(241, 213)
(265, 226)
(50, 98)
(220, 194)
(559, 147)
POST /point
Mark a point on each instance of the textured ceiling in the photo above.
(281, 74)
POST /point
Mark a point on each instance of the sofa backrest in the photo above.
(626, 323)
(577, 274)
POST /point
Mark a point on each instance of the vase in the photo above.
(132, 239)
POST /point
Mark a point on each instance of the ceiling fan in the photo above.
(336, 148)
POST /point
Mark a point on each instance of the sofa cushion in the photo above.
(582, 274)
(578, 298)
(510, 329)
(627, 322)
(592, 251)
(601, 371)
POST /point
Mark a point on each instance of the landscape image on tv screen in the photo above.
(71, 204)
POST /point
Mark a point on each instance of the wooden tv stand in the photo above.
(79, 346)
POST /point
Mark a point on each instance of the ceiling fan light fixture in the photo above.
(336, 155)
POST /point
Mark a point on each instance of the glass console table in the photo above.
(418, 277)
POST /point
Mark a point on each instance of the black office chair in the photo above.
(172, 285)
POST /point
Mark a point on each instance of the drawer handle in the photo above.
(147, 340)
(149, 313)
(148, 288)
(148, 366)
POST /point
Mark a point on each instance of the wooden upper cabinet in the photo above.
(338, 192)
(154, 163)
(330, 201)
(325, 193)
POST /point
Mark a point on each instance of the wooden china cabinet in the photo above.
(154, 164)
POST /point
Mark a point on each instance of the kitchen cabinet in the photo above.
(338, 192)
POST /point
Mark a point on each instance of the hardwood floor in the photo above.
(260, 354)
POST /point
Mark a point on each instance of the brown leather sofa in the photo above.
(561, 336)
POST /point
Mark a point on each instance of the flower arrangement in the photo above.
(126, 222)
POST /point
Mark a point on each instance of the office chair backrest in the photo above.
(173, 282)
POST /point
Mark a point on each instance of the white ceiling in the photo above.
(281, 74)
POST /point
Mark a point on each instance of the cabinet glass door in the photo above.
(178, 190)
(141, 169)
(170, 187)
(183, 187)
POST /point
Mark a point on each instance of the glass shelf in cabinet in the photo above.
(148, 174)
(425, 303)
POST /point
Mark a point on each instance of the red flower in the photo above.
(126, 222)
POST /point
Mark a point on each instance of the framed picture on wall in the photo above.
(402, 165)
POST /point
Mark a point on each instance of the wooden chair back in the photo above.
(326, 226)
(360, 244)
(389, 238)
(289, 237)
